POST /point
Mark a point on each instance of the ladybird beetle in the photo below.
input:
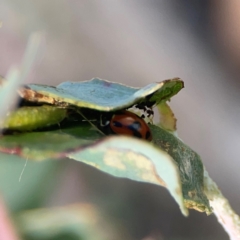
(127, 123)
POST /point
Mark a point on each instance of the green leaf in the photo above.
(48, 144)
(120, 156)
(100, 94)
(30, 118)
(168, 89)
(190, 167)
(128, 157)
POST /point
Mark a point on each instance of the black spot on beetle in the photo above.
(117, 124)
(148, 134)
(137, 134)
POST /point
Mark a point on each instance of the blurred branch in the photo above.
(17, 75)
(222, 209)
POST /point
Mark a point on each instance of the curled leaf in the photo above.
(101, 95)
(134, 159)
(190, 167)
(120, 156)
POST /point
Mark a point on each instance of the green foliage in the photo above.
(166, 161)
(29, 118)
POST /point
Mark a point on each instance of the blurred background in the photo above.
(134, 42)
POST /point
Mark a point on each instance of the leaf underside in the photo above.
(101, 95)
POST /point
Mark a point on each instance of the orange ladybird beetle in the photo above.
(127, 123)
